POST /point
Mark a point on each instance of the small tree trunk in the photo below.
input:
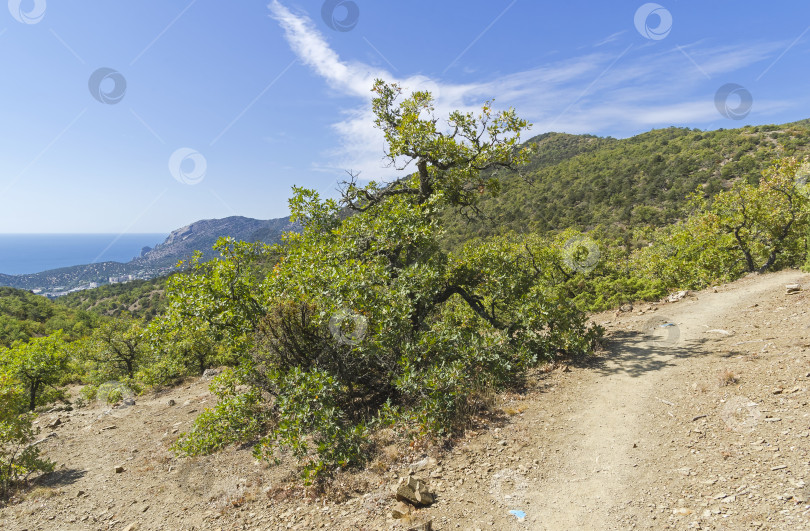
(767, 265)
(425, 186)
(749, 260)
(32, 397)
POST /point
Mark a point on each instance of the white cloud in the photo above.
(600, 91)
(310, 46)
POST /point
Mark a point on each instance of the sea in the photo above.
(34, 253)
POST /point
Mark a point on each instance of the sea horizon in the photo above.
(29, 253)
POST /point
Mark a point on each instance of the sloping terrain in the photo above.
(694, 416)
(24, 315)
(583, 181)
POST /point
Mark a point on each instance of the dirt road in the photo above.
(695, 417)
(617, 427)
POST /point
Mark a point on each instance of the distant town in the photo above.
(59, 291)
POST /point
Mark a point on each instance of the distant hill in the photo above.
(202, 235)
(65, 278)
(582, 181)
(179, 245)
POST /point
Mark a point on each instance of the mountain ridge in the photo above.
(584, 181)
(160, 260)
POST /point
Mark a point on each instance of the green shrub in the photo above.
(18, 458)
(310, 423)
(38, 365)
(114, 392)
(88, 392)
(180, 343)
(238, 417)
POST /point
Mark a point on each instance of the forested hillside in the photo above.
(139, 298)
(581, 181)
(24, 315)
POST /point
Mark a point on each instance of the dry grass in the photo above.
(386, 458)
(233, 498)
(513, 410)
(42, 493)
(728, 378)
(282, 493)
(345, 485)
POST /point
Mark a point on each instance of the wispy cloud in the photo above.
(603, 90)
(725, 59)
(313, 50)
(610, 38)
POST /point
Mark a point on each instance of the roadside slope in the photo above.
(695, 416)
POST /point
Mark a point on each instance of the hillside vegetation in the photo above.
(583, 181)
(401, 307)
(139, 298)
(24, 315)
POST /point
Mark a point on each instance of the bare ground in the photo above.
(694, 416)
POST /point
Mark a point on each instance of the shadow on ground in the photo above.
(635, 353)
(62, 477)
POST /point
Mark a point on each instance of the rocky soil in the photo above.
(695, 416)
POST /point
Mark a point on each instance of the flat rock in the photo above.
(675, 297)
(793, 288)
(423, 464)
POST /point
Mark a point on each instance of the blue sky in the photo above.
(209, 108)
